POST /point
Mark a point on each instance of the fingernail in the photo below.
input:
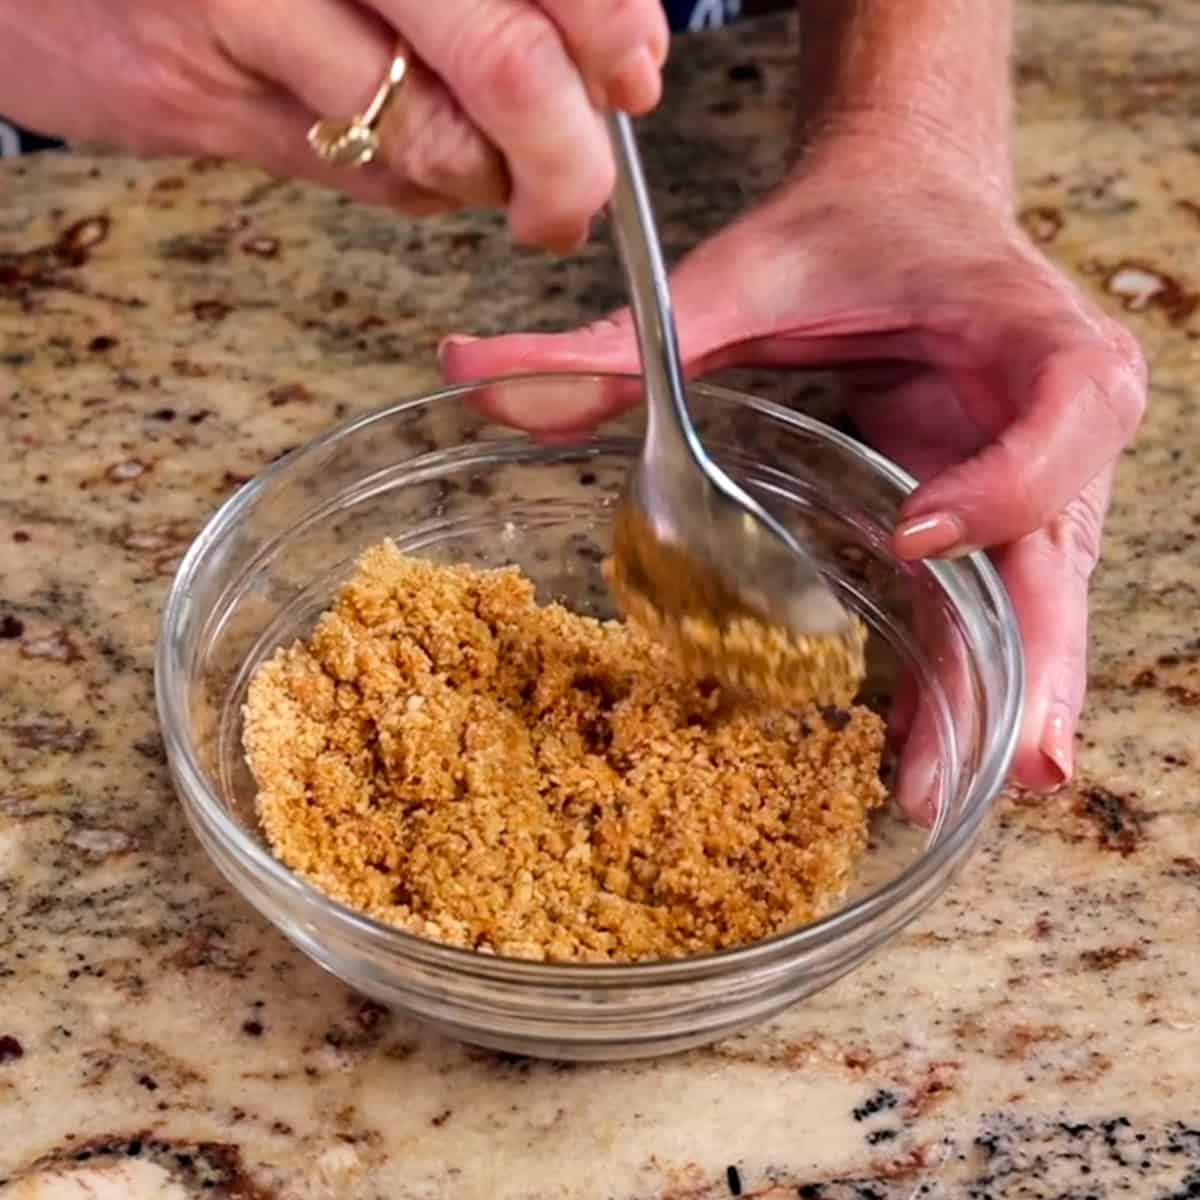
(936, 535)
(1057, 744)
(452, 342)
(917, 790)
(927, 815)
(635, 84)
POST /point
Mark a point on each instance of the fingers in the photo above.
(931, 706)
(1084, 403)
(500, 105)
(620, 47)
(1047, 576)
(509, 70)
(265, 132)
(332, 63)
(428, 140)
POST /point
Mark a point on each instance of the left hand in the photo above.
(964, 356)
(499, 105)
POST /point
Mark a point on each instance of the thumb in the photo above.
(728, 293)
(606, 345)
(1082, 406)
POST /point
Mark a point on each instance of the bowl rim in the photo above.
(203, 806)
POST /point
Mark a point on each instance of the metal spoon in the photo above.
(688, 541)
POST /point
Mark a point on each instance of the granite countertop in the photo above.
(166, 330)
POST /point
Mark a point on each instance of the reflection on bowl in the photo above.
(441, 481)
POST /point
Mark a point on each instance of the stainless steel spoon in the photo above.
(688, 541)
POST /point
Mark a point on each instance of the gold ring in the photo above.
(354, 142)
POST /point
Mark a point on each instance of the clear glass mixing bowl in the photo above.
(443, 481)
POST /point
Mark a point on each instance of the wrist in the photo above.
(885, 150)
(924, 80)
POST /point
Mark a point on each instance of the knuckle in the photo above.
(637, 20)
(1078, 532)
(515, 58)
(631, 14)
(1122, 386)
(1102, 371)
(597, 186)
(182, 84)
(1129, 408)
(561, 219)
(1023, 502)
(1025, 510)
(222, 15)
(1132, 359)
(1125, 346)
(602, 32)
(532, 227)
(444, 153)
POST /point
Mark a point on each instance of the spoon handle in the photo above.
(668, 424)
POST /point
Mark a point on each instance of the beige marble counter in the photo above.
(167, 330)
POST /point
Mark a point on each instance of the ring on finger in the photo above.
(354, 141)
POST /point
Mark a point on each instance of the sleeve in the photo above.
(15, 141)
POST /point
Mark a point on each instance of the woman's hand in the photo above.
(502, 106)
(963, 355)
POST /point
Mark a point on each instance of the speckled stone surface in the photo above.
(167, 330)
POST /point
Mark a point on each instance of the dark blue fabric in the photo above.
(685, 16)
(690, 15)
(15, 141)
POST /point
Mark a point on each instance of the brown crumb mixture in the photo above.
(455, 760)
(760, 662)
(716, 630)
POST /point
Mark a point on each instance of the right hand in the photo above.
(962, 355)
(502, 110)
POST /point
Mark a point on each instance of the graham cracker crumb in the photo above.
(457, 761)
(715, 626)
(758, 661)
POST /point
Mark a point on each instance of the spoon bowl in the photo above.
(694, 556)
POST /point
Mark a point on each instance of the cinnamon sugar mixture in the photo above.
(458, 761)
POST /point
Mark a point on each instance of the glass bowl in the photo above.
(444, 481)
